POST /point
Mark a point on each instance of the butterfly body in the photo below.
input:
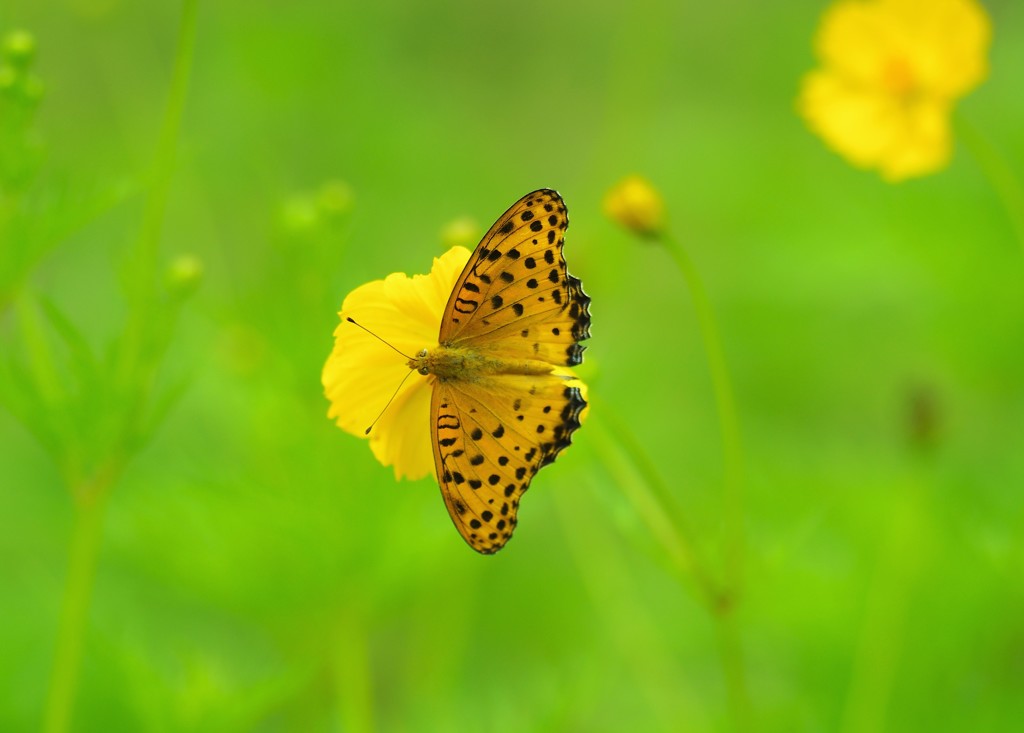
(503, 403)
(455, 363)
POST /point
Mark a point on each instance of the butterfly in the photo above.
(501, 409)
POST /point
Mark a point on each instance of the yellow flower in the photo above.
(890, 73)
(636, 204)
(362, 373)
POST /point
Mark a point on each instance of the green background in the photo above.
(258, 570)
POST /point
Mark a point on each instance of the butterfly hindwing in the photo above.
(490, 439)
(515, 297)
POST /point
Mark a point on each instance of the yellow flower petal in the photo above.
(873, 130)
(850, 121)
(362, 373)
(923, 143)
(401, 438)
(946, 42)
(855, 39)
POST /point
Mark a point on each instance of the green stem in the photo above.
(91, 495)
(44, 371)
(631, 626)
(647, 492)
(354, 685)
(889, 600)
(730, 650)
(728, 421)
(142, 275)
(167, 144)
(1000, 175)
(650, 497)
(90, 505)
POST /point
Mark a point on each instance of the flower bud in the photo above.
(19, 48)
(334, 198)
(184, 275)
(635, 204)
(461, 232)
(299, 214)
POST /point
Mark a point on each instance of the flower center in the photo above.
(898, 77)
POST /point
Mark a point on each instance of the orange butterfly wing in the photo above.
(514, 300)
(491, 439)
(515, 297)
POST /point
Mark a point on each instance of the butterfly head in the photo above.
(420, 362)
(440, 361)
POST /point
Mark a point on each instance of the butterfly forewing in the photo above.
(515, 297)
(491, 438)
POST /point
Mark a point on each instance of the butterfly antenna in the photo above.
(389, 401)
(351, 320)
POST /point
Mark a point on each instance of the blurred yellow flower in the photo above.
(362, 373)
(636, 204)
(890, 73)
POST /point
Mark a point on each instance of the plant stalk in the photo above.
(86, 532)
(730, 649)
(142, 272)
(131, 374)
(653, 502)
(1000, 175)
(728, 420)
